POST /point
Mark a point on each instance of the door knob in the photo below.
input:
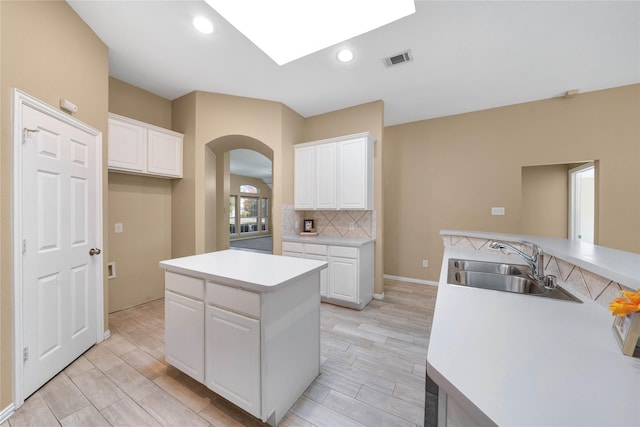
(94, 251)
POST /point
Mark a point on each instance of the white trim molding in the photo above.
(411, 280)
(378, 296)
(6, 413)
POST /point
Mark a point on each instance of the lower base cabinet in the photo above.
(259, 351)
(184, 329)
(349, 279)
(344, 279)
(233, 358)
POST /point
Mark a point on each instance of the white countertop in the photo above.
(511, 359)
(619, 266)
(331, 240)
(248, 270)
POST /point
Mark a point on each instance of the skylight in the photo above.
(290, 29)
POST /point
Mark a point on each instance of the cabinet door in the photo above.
(127, 146)
(233, 358)
(326, 176)
(323, 273)
(355, 171)
(164, 153)
(343, 279)
(184, 334)
(304, 177)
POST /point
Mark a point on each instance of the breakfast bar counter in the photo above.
(501, 358)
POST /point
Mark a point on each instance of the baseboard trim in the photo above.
(107, 334)
(378, 296)
(411, 280)
(6, 413)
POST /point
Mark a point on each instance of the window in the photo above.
(233, 200)
(248, 214)
(264, 214)
(246, 188)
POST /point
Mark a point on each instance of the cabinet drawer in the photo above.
(291, 247)
(234, 299)
(184, 285)
(310, 248)
(293, 254)
(343, 251)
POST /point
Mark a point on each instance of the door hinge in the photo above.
(25, 354)
(24, 246)
(25, 133)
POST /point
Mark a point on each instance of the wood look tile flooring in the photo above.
(372, 373)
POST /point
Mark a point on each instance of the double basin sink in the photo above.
(504, 277)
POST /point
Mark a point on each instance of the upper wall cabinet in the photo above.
(140, 148)
(334, 173)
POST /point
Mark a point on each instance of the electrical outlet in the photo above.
(425, 263)
(118, 227)
(497, 211)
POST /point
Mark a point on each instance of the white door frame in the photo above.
(21, 99)
(573, 198)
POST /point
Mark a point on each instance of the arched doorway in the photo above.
(218, 190)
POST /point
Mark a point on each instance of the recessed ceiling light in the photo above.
(345, 55)
(290, 29)
(203, 25)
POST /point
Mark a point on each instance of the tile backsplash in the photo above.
(330, 223)
(574, 278)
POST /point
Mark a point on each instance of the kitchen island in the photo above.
(507, 359)
(245, 324)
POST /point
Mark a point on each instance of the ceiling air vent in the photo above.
(398, 59)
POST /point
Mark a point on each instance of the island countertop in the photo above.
(247, 270)
(510, 359)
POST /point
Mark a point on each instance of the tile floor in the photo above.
(372, 373)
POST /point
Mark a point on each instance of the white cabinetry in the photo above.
(344, 279)
(326, 176)
(255, 344)
(140, 148)
(348, 280)
(184, 328)
(233, 358)
(334, 173)
(304, 177)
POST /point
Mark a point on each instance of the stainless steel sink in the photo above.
(514, 278)
(497, 282)
(490, 267)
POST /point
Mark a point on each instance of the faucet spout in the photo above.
(535, 261)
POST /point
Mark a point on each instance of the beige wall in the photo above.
(545, 200)
(362, 118)
(224, 122)
(183, 193)
(142, 205)
(50, 53)
(131, 101)
(447, 173)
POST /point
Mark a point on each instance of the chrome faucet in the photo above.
(535, 261)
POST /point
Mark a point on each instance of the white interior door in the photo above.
(582, 203)
(60, 230)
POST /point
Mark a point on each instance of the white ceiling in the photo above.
(251, 163)
(468, 55)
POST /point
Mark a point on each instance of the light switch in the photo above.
(497, 211)
(119, 227)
